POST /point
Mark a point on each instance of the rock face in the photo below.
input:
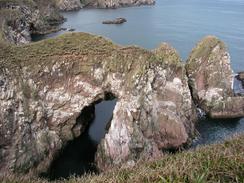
(158, 114)
(211, 79)
(117, 3)
(68, 5)
(44, 87)
(20, 19)
(238, 84)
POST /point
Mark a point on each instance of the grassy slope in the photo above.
(213, 163)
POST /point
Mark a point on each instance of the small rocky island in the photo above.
(115, 21)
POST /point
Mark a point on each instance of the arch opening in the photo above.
(78, 155)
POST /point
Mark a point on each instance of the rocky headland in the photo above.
(45, 86)
(19, 19)
(211, 80)
(68, 5)
(116, 3)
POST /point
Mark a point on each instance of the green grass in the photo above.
(74, 47)
(204, 50)
(213, 163)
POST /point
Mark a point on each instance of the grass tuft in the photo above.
(212, 163)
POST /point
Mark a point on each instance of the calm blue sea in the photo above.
(182, 23)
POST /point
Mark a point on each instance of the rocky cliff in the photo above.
(117, 3)
(20, 19)
(44, 87)
(68, 5)
(211, 80)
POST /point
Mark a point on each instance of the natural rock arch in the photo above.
(77, 157)
(48, 83)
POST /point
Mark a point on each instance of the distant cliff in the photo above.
(21, 18)
(67, 5)
(118, 3)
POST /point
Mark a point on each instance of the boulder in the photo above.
(211, 79)
(45, 86)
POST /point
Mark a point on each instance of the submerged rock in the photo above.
(45, 86)
(71, 30)
(211, 79)
(116, 21)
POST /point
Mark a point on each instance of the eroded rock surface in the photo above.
(116, 3)
(68, 5)
(44, 87)
(211, 80)
(20, 19)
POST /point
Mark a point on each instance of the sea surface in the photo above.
(182, 23)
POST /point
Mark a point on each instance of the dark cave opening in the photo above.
(77, 157)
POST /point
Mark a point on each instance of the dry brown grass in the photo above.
(214, 163)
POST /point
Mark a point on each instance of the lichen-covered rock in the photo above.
(20, 19)
(68, 5)
(116, 3)
(211, 79)
(158, 114)
(44, 87)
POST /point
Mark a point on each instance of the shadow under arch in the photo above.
(78, 155)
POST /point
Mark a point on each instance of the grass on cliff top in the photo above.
(84, 50)
(214, 163)
(204, 50)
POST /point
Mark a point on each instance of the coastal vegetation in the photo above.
(45, 87)
(212, 163)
